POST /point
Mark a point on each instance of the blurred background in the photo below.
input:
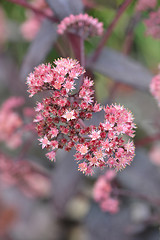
(47, 200)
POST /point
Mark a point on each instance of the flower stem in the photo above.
(123, 192)
(35, 10)
(82, 55)
(109, 31)
(128, 42)
(147, 140)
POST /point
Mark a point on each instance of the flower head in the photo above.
(60, 119)
(76, 23)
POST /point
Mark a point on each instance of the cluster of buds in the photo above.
(29, 178)
(103, 194)
(81, 24)
(60, 119)
(144, 5)
(153, 24)
(155, 88)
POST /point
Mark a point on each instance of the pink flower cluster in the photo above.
(102, 193)
(153, 24)
(106, 141)
(30, 27)
(155, 88)
(60, 119)
(144, 5)
(47, 77)
(28, 177)
(82, 24)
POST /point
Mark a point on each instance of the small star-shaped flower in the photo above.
(51, 155)
(44, 141)
(95, 134)
(82, 149)
(69, 115)
(53, 132)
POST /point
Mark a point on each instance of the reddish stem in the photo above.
(81, 123)
(128, 42)
(123, 192)
(147, 140)
(109, 30)
(35, 10)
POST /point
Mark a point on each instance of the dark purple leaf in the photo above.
(40, 47)
(122, 68)
(100, 224)
(63, 8)
(66, 181)
(142, 176)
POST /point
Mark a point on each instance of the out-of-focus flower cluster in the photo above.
(102, 193)
(28, 177)
(81, 24)
(155, 88)
(60, 119)
(31, 26)
(153, 24)
(154, 154)
(143, 5)
(12, 125)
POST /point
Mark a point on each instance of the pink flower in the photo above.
(97, 107)
(31, 26)
(38, 118)
(69, 115)
(51, 155)
(39, 107)
(82, 167)
(54, 144)
(69, 86)
(95, 134)
(44, 141)
(110, 205)
(100, 154)
(54, 132)
(102, 193)
(82, 149)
